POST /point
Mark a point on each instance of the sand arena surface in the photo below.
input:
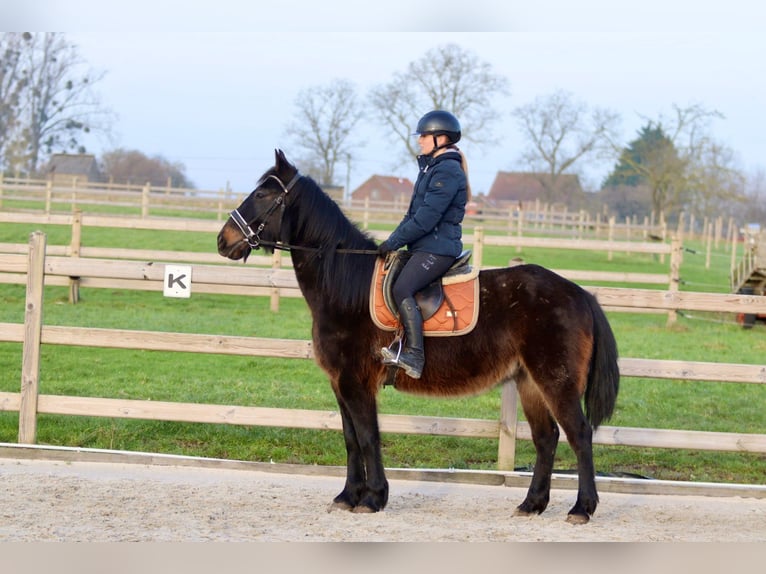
(102, 502)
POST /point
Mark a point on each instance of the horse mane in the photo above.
(313, 219)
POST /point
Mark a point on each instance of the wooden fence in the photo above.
(507, 429)
(477, 239)
(532, 217)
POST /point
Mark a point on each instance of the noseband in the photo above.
(253, 238)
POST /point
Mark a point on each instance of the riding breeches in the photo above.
(420, 271)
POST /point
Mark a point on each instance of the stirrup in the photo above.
(392, 358)
(392, 353)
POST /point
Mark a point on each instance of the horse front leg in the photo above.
(366, 487)
(353, 490)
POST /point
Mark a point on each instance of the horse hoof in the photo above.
(363, 510)
(339, 506)
(578, 519)
(524, 513)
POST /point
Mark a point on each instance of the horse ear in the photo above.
(281, 160)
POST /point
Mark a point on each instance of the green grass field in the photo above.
(293, 383)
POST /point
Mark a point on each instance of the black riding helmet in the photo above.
(438, 122)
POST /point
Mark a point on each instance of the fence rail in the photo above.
(507, 429)
(532, 217)
(478, 239)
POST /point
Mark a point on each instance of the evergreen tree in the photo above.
(641, 157)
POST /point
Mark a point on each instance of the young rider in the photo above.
(431, 229)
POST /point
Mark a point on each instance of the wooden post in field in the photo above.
(33, 321)
(733, 263)
(610, 236)
(718, 230)
(145, 199)
(74, 251)
(663, 233)
(732, 232)
(537, 213)
(506, 449)
(1, 190)
(519, 227)
(709, 245)
(48, 196)
(675, 276)
(74, 194)
(366, 216)
(276, 263)
(478, 246)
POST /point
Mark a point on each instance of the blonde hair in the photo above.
(464, 165)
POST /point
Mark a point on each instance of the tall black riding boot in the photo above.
(411, 359)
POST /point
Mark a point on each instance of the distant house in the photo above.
(64, 168)
(384, 188)
(525, 187)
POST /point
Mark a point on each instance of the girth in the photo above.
(431, 297)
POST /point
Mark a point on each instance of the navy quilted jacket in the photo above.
(433, 221)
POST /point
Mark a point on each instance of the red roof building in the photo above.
(524, 187)
(384, 188)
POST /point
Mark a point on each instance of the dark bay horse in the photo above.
(545, 332)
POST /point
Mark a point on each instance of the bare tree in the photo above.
(446, 77)
(754, 206)
(327, 116)
(715, 183)
(11, 86)
(132, 166)
(58, 103)
(560, 132)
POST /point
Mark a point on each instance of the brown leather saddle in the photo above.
(450, 306)
(430, 298)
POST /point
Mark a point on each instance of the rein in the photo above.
(253, 238)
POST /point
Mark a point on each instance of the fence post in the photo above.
(610, 237)
(33, 320)
(675, 274)
(478, 246)
(506, 449)
(733, 262)
(276, 263)
(145, 200)
(48, 196)
(1, 190)
(74, 194)
(74, 251)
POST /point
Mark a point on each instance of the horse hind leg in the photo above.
(545, 436)
(579, 434)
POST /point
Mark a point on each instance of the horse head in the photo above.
(257, 221)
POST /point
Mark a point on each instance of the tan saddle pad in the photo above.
(457, 314)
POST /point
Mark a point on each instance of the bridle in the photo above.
(253, 238)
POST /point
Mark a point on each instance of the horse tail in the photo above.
(604, 375)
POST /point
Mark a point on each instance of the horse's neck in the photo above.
(324, 288)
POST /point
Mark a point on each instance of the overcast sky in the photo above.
(219, 102)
